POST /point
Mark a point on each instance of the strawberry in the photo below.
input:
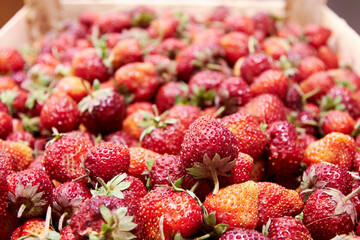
(107, 160)
(241, 172)
(266, 108)
(7, 225)
(235, 45)
(136, 106)
(131, 124)
(317, 34)
(7, 83)
(138, 79)
(88, 18)
(165, 67)
(73, 87)
(219, 13)
(3, 108)
(288, 228)
(122, 138)
(283, 150)
(264, 22)
(184, 114)
(29, 192)
(328, 57)
(328, 213)
(63, 158)
(7, 163)
(210, 35)
(67, 234)
(142, 16)
(251, 140)
(349, 99)
(89, 66)
(335, 148)
(21, 153)
(243, 234)
(102, 111)
(239, 24)
(66, 199)
(308, 66)
(60, 113)
(235, 205)
(277, 201)
(167, 212)
(164, 27)
(323, 175)
(258, 170)
(275, 47)
(209, 146)
(299, 51)
(22, 136)
(10, 60)
(169, 47)
(338, 121)
(6, 126)
(113, 22)
(318, 84)
(307, 121)
(95, 213)
(270, 81)
(33, 228)
(253, 65)
(138, 158)
(126, 51)
(168, 93)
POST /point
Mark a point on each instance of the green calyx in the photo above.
(39, 95)
(117, 225)
(7, 97)
(56, 136)
(114, 187)
(310, 183)
(151, 122)
(287, 67)
(30, 124)
(327, 103)
(212, 168)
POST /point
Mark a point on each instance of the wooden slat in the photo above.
(304, 11)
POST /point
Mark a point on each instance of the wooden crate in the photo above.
(344, 40)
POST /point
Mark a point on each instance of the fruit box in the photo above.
(38, 16)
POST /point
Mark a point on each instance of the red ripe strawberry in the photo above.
(100, 211)
(63, 158)
(165, 27)
(235, 205)
(312, 108)
(210, 35)
(317, 34)
(168, 93)
(251, 140)
(30, 228)
(235, 45)
(62, 42)
(126, 51)
(142, 16)
(60, 112)
(338, 121)
(114, 22)
(7, 167)
(349, 99)
(323, 175)
(138, 157)
(288, 228)
(254, 65)
(309, 65)
(277, 201)
(66, 199)
(319, 83)
(328, 213)
(173, 212)
(275, 47)
(7, 83)
(243, 234)
(10, 60)
(67, 234)
(135, 192)
(138, 79)
(169, 47)
(184, 114)
(6, 125)
(89, 66)
(29, 192)
(270, 81)
(343, 75)
(307, 121)
(241, 172)
(165, 67)
(88, 18)
(239, 24)
(258, 170)
(209, 147)
(266, 108)
(4, 108)
(218, 13)
(283, 149)
(300, 50)
(233, 92)
(336, 148)
(136, 106)
(21, 153)
(107, 160)
(328, 57)
(102, 111)
(8, 225)
(131, 124)
(264, 22)
(170, 167)
(122, 138)
(289, 30)
(73, 87)
(22, 136)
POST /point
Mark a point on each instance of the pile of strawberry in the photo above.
(139, 125)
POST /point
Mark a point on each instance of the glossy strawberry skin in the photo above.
(61, 113)
(67, 234)
(350, 99)
(320, 81)
(122, 138)
(167, 94)
(170, 47)
(10, 60)
(338, 121)
(138, 156)
(254, 65)
(126, 51)
(184, 114)
(7, 167)
(239, 23)
(107, 160)
(63, 158)
(6, 126)
(22, 153)
(243, 234)
(4, 108)
(34, 225)
(329, 57)
(235, 45)
(288, 228)
(181, 213)
(309, 65)
(317, 35)
(22, 136)
(113, 22)
(207, 136)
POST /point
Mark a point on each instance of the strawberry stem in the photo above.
(47, 224)
(193, 188)
(353, 193)
(88, 90)
(21, 210)
(206, 236)
(216, 181)
(61, 220)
